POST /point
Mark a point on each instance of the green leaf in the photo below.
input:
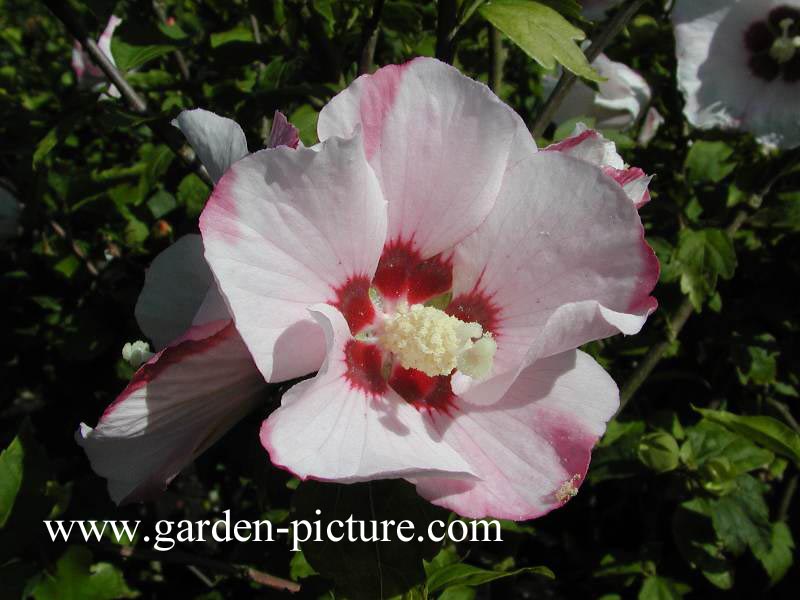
(571, 9)
(68, 265)
(542, 33)
(779, 557)
(157, 160)
(461, 574)
(364, 569)
(661, 588)
(783, 214)
(659, 452)
(161, 203)
(721, 454)
(76, 578)
(757, 362)
(136, 232)
(461, 592)
(305, 119)
(136, 43)
(11, 461)
(237, 34)
(54, 137)
(708, 162)
(741, 518)
(697, 542)
(704, 255)
(299, 567)
(766, 431)
(27, 493)
(192, 194)
(617, 454)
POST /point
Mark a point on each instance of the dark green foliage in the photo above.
(690, 491)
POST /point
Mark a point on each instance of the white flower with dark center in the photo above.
(739, 66)
(617, 103)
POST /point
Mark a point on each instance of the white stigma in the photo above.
(136, 353)
(784, 47)
(429, 340)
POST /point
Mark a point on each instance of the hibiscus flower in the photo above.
(202, 380)
(739, 66)
(439, 273)
(88, 74)
(617, 103)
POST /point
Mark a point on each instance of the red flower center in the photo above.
(404, 275)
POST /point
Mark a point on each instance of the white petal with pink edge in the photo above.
(218, 141)
(282, 133)
(439, 143)
(347, 425)
(562, 242)
(591, 146)
(177, 404)
(176, 285)
(531, 450)
(285, 229)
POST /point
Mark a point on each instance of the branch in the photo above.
(497, 58)
(254, 25)
(676, 323)
(184, 558)
(567, 80)
(445, 28)
(370, 39)
(135, 102)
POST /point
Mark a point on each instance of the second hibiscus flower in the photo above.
(439, 273)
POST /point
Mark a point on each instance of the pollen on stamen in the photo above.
(429, 340)
(568, 489)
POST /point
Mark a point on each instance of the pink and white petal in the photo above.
(175, 287)
(624, 92)
(285, 229)
(282, 133)
(713, 72)
(439, 143)
(79, 60)
(589, 145)
(579, 102)
(634, 182)
(104, 42)
(562, 241)
(531, 450)
(218, 141)
(652, 122)
(177, 404)
(616, 104)
(348, 425)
